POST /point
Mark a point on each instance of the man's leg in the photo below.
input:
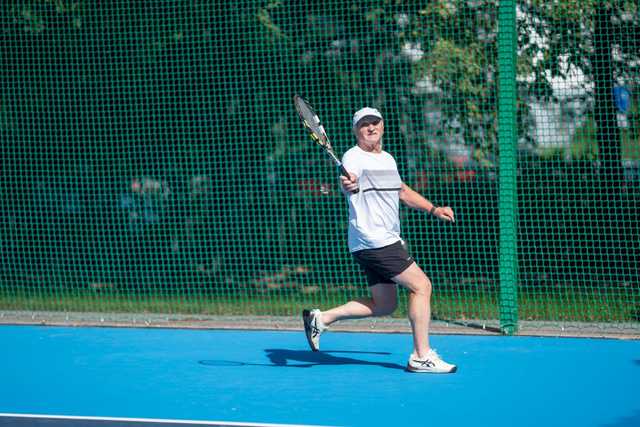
(419, 286)
(383, 301)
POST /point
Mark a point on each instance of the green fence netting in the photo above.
(152, 160)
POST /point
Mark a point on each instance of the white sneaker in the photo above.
(430, 364)
(313, 327)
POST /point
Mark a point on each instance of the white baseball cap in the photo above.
(365, 112)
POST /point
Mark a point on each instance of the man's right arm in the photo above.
(350, 184)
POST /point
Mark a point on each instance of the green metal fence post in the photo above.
(507, 141)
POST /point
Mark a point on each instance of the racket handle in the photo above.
(344, 173)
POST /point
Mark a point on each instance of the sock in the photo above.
(319, 321)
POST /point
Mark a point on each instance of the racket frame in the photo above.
(316, 129)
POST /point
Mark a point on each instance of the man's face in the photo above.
(370, 130)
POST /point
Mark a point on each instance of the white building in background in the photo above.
(556, 121)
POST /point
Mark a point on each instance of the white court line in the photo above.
(149, 420)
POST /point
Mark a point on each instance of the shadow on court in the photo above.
(632, 420)
(306, 359)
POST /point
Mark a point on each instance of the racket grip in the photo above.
(344, 173)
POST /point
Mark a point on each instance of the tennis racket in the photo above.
(311, 121)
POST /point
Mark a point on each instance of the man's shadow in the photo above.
(306, 359)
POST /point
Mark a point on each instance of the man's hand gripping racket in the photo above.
(311, 121)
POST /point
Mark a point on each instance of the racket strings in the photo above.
(312, 122)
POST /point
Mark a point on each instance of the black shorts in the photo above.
(381, 264)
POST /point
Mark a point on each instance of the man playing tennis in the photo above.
(375, 243)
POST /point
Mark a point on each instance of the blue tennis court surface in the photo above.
(125, 376)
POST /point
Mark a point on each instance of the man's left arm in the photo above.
(415, 200)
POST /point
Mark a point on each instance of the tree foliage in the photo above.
(344, 54)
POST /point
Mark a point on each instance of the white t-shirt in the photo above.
(373, 211)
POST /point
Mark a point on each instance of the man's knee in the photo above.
(423, 287)
(386, 308)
